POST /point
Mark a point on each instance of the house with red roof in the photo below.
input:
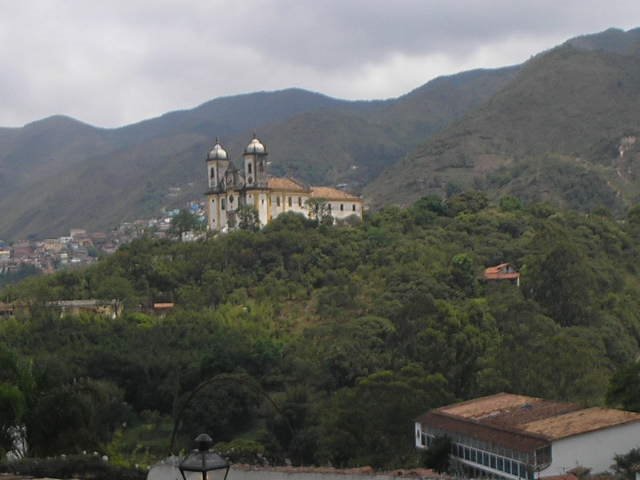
(505, 272)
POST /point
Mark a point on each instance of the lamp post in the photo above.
(200, 462)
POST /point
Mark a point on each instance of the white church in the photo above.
(231, 188)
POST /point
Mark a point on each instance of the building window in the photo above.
(492, 461)
(262, 201)
(213, 173)
(290, 202)
(278, 201)
(342, 207)
(299, 201)
(249, 168)
(353, 207)
(230, 198)
(222, 203)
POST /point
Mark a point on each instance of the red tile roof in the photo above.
(282, 183)
(501, 272)
(329, 193)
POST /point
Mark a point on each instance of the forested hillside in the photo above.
(565, 130)
(321, 344)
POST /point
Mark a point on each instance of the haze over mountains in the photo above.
(562, 127)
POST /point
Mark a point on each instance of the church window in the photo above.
(342, 207)
(278, 201)
(213, 172)
(353, 207)
(230, 198)
(299, 201)
(290, 202)
(262, 201)
(249, 168)
(329, 206)
(222, 204)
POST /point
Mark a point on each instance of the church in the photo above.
(231, 190)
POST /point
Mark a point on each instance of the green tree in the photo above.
(624, 388)
(509, 203)
(368, 424)
(437, 456)
(319, 210)
(248, 218)
(74, 417)
(626, 465)
(183, 222)
(562, 281)
(463, 272)
(16, 389)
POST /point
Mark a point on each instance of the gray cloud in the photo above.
(110, 63)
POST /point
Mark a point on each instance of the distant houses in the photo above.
(109, 308)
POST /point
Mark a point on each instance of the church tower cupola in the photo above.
(255, 164)
(217, 165)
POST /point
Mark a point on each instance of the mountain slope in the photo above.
(126, 173)
(554, 133)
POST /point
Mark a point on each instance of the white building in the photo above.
(231, 189)
(515, 436)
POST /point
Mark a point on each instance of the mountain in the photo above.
(566, 130)
(59, 173)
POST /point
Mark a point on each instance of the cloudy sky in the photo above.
(115, 62)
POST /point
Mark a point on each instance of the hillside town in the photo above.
(80, 247)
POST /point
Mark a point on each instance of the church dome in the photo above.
(255, 146)
(217, 152)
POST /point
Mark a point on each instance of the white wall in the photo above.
(593, 450)
(347, 209)
(418, 435)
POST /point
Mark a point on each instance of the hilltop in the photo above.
(57, 173)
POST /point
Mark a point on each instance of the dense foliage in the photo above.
(321, 344)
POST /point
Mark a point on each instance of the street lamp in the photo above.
(200, 462)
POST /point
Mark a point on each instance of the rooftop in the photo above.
(523, 421)
(329, 193)
(284, 183)
(504, 271)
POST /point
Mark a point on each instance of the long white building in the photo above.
(231, 188)
(516, 436)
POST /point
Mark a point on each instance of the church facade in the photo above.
(231, 190)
